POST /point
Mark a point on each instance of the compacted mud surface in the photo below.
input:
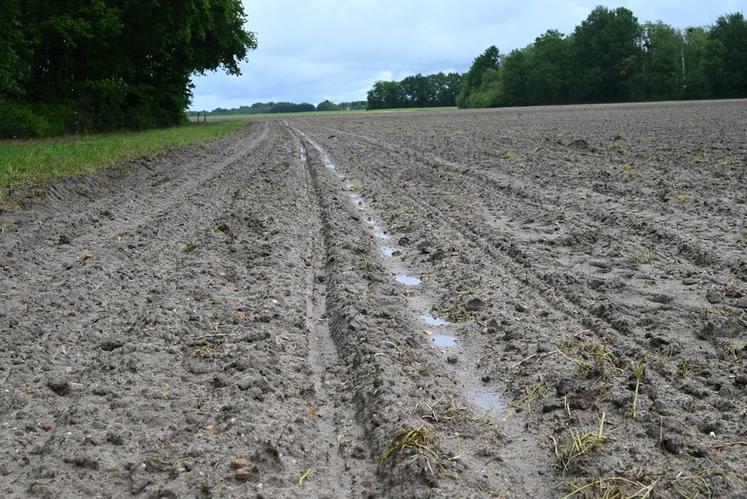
(506, 303)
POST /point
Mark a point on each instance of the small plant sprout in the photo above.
(304, 476)
(681, 198)
(534, 391)
(638, 374)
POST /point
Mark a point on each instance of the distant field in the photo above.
(244, 117)
(32, 161)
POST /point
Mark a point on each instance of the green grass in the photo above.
(25, 162)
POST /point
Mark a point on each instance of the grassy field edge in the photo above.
(27, 162)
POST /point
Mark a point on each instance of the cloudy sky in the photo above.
(311, 50)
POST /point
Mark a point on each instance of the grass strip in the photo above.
(24, 162)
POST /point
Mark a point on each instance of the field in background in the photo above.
(234, 117)
(33, 161)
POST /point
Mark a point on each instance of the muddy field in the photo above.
(505, 303)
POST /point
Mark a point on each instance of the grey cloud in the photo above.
(313, 50)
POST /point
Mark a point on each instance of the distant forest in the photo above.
(282, 107)
(610, 57)
(436, 90)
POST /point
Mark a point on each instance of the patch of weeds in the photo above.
(222, 228)
(629, 169)
(509, 156)
(417, 444)
(697, 483)
(532, 392)
(686, 368)
(443, 409)
(731, 352)
(205, 351)
(643, 256)
(681, 198)
(698, 160)
(743, 240)
(592, 357)
(189, 247)
(356, 185)
(638, 372)
(616, 487)
(395, 214)
(580, 444)
(618, 136)
(365, 265)
(457, 313)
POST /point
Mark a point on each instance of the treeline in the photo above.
(282, 107)
(610, 57)
(95, 65)
(435, 90)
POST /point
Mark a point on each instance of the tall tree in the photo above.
(662, 73)
(726, 56)
(483, 73)
(549, 69)
(117, 63)
(606, 47)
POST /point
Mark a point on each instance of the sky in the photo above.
(312, 50)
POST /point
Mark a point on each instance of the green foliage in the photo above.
(436, 90)
(481, 81)
(112, 64)
(32, 161)
(327, 105)
(262, 108)
(610, 57)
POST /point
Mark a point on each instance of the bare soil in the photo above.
(503, 303)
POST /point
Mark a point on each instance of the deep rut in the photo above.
(350, 471)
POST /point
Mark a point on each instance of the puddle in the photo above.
(488, 401)
(433, 321)
(358, 201)
(388, 250)
(482, 398)
(408, 280)
(329, 165)
(444, 340)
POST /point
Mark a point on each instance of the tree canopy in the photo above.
(611, 57)
(99, 65)
(436, 90)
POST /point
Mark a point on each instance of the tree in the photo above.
(386, 95)
(726, 56)
(101, 65)
(661, 74)
(695, 85)
(606, 48)
(483, 71)
(327, 105)
(549, 75)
